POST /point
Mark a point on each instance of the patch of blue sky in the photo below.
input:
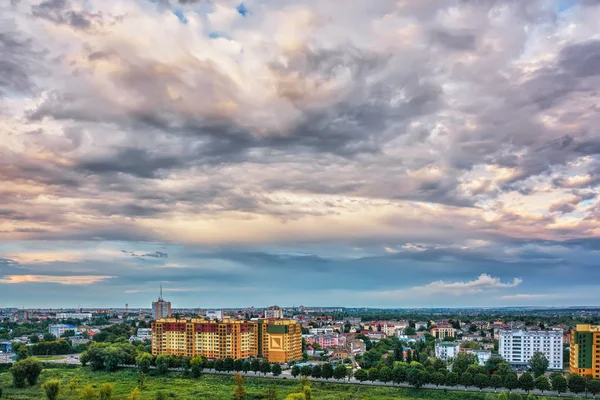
(242, 9)
(178, 12)
(216, 35)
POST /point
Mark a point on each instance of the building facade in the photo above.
(59, 329)
(441, 332)
(161, 308)
(274, 312)
(585, 350)
(446, 350)
(518, 346)
(87, 316)
(274, 340)
(482, 355)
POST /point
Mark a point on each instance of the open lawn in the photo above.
(209, 387)
(217, 387)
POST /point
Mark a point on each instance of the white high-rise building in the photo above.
(518, 346)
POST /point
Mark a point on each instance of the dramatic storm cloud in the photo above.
(390, 153)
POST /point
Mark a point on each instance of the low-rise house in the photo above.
(482, 355)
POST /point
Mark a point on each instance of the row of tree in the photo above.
(417, 375)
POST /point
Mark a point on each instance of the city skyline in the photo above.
(396, 154)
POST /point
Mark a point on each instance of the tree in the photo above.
(276, 370)
(26, 370)
(327, 371)
(526, 382)
(239, 392)
(112, 356)
(373, 374)
(481, 381)
(306, 370)
(463, 361)
(491, 365)
(228, 364)
(576, 384)
(503, 369)
(416, 377)
(361, 375)
(220, 365)
(437, 378)
(143, 362)
(196, 366)
(399, 373)
(255, 365)
(503, 396)
(34, 339)
(106, 390)
(316, 371)
(246, 366)
(162, 364)
(542, 383)
(539, 364)
(265, 367)
(593, 386)
(511, 381)
(48, 337)
(238, 365)
(295, 371)
(466, 379)
(19, 374)
(451, 379)
(559, 383)
(51, 389)
(340, 372)
(495, 381)
(22, 352)
(141, 380)
(385, 374)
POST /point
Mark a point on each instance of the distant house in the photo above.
(482, 355)
(446, 350)
(310, 351)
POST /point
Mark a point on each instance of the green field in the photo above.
(217, 387)
(214, 387)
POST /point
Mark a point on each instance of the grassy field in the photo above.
(218, 387)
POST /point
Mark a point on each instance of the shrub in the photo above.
(51, 389)
(106, 390)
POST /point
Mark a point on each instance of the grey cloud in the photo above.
(454, 40)
(582, 59)
(58, 12)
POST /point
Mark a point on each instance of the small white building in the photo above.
(482, 355)
(274, 312)
(144, 333)
(64, 315)
(59, 329)
(325, 330)
(517, 346)
(214, 314)
(446, 350)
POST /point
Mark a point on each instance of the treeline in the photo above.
(467, 372)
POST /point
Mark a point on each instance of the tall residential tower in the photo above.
(161, 308)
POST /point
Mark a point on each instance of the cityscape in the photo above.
(299, 199)
(487, 349)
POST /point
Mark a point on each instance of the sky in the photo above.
(396, 153)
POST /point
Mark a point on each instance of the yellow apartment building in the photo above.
(585, 350)
(274, 340)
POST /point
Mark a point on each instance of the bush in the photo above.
(87, 393)
(106, 390)
(51, 389)
(19, 374)
(161, 396)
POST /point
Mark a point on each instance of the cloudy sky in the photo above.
(391, 153)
